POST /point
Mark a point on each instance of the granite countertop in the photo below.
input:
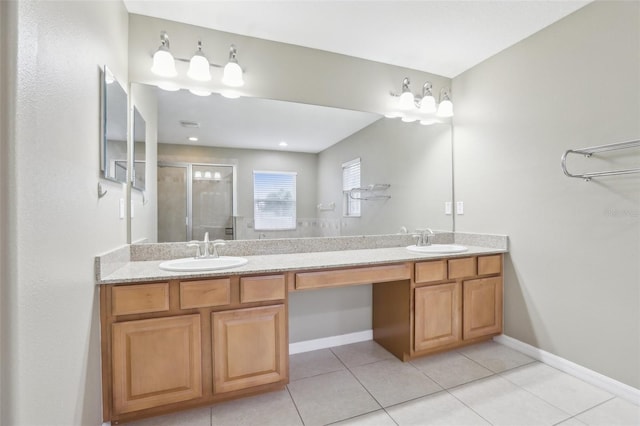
(142, 271)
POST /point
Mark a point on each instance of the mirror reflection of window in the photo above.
(274, 201)
(351, 181)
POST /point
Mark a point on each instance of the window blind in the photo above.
(351, 180)
(274, 200)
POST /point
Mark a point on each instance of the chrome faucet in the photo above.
(207, 250)
(423, 237)
(206, 245)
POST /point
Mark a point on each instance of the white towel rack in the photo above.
(588, 152)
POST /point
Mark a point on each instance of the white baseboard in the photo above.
(607, 383)
(329, 342)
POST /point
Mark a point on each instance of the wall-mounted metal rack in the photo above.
(588, 152)
(371, 192)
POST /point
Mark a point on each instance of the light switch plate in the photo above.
(459, 207)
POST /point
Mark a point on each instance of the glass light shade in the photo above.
(199, 68)
(230, 94)
(406, 101)
(200, 92)
(207, 175)
(445, 109)
(168, 86)
(232, 76)
(216, 175)
(197, 174)
(163, 63)
(428, 105)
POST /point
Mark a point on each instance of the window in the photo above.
(351, 180)
(274, 201)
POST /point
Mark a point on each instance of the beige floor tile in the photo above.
(438, 409)
(571, 422)
(557, 388)
(361, 353)
(377, 418)
(496, 357)
(273, 408)
(309, 364)
(451, 369)
(393, 381)
(501, 402)
(195, 417)
(330, 398)
(615, 412)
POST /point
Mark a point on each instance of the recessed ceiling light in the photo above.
(283, 144)
(193, 139)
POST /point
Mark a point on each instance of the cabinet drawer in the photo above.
(460, 268)
(352, 276)
(431, 271)
(260, 289)
(205, 293)
(139, 299)
(490, 264)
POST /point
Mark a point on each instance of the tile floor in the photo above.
(363, 384)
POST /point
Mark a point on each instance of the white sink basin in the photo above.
(191, 264)
(438, 248)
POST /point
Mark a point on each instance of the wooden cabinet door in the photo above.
(250, 348)
(482, 307)
(437, 320)
(156, 362)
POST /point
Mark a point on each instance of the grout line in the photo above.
(294, 404)
(597, 405)
(315, 375)
(468, 406)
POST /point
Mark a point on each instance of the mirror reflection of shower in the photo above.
(194, 198)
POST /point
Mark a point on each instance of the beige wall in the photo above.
(573, 277)
(7, 41)
(58, 224)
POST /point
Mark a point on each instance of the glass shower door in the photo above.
(212, 202)
(173, 212)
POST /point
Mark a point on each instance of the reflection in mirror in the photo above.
(113, 148)
(139, 150)
(405, 168)
(196, 198)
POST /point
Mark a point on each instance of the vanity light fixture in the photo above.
(163, 63)
(445, 108)
(232, 75)
(421, 107)
(199, 65)
(428, 102)
(407, 100)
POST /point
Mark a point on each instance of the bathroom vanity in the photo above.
(172, 341)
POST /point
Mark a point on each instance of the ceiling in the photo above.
(440, 37)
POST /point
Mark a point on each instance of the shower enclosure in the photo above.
(194, 198)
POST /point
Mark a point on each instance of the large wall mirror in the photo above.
(354, 173)
(138, 178)
(113, 149)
